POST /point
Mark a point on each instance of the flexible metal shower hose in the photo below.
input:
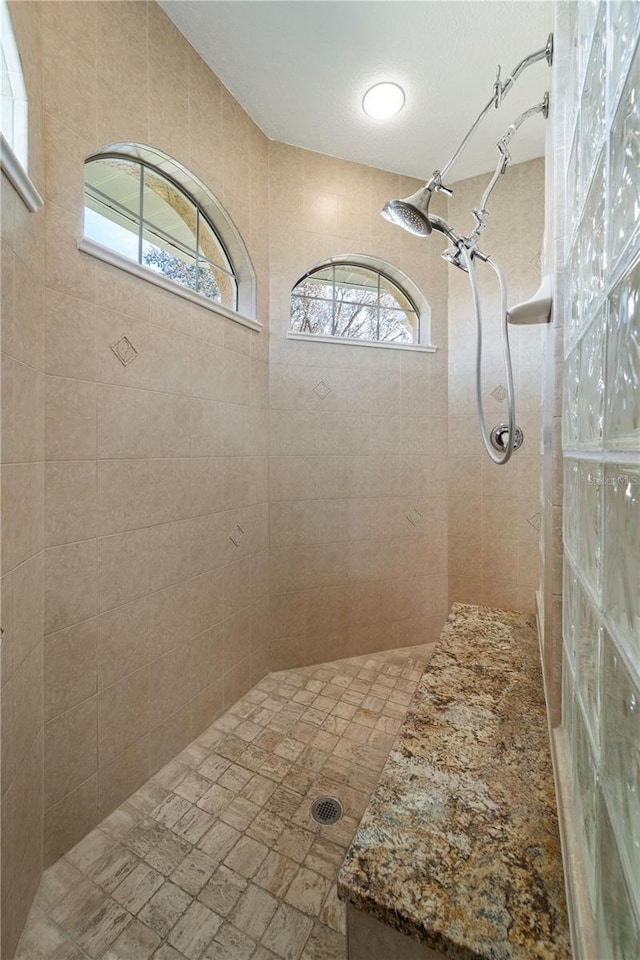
(511, 417)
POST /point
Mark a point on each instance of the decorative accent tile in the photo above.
(322, 390)
(414, 517)
(499, 393)
(535, 521)
(124, 351)
(237, 535)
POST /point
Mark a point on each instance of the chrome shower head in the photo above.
(412, 213)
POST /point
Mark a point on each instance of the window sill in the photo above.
(144, 273)
(19, 177)
(352, 342)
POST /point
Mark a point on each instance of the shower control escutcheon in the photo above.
(500, 437)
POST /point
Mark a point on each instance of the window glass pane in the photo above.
(325, 273)
(396, 326)
(392, 296)
(7, 113)
(312, 316)
(7, 90)
(135, 210)
(169, 260)
(210, 247)
(14, 112)
(311, 287)
(112, 231)
(217, 284)
(169, 209)
(359, 320)
(113, 183)
(356, 284)
(112, 200)
(363, 305)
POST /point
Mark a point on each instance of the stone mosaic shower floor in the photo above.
(217, 856)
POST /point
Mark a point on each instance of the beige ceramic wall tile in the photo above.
(22, 402)
(138, 423)
(24, 847)
(70, 94)
(123, 568)
(119, 779)
(70, 584)
(171, 553)
(22, 512)
(124, 642)
(68, 270)
(123, 715)
(66, 153)
(70, 667)
(169, 738)
(71, 501)
(139, 493)
(22, 715)
(70, 749)
(70, 421)
(67, 822)
(27, 603)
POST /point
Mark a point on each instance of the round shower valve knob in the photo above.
(500, 437)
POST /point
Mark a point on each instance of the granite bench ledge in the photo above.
(459, 847)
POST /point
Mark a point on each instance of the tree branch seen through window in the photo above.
(354, 302)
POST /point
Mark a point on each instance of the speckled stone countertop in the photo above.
(459, 846)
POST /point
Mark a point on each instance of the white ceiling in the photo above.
(300, 69)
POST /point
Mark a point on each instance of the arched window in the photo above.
(358, 298)
(151, 213)
(14, 126)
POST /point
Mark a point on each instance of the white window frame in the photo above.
(408, 287)
(14, 132)
(214, 213)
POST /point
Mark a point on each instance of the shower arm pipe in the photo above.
(500, 90)
(481, 212)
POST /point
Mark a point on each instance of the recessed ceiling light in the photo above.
(383, 100)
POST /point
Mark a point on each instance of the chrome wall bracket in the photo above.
(500, 437)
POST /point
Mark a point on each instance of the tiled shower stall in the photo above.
(131, 620)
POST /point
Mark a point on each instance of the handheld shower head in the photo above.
(412, 213)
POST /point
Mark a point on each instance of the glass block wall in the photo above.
(601, 459)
